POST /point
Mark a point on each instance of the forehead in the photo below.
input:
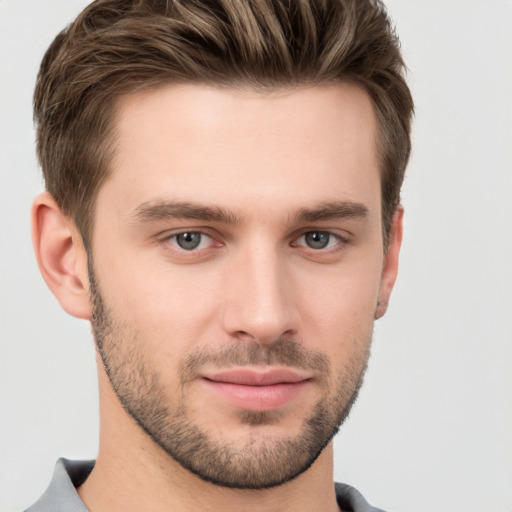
(200, 142)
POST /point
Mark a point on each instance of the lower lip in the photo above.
(257, 398)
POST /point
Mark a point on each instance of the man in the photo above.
(223, 182)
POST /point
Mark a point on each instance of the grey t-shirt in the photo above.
(61, 495)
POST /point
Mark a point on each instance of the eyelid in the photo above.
(171, 232)
(169, 237)
(343, 237)
(333, 242)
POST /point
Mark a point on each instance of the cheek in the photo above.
(338, 305)
(170, 307)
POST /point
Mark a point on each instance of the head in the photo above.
(225, 182)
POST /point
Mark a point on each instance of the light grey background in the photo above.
(432, 430)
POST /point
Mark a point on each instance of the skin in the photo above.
(262, 158)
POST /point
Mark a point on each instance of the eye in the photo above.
(190, 240)
(318, 240)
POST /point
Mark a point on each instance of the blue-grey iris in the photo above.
(188, 241)
(317, 239)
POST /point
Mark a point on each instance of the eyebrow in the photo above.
(154, 211)
(332, 210)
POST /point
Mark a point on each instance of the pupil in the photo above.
(188, 240)
(317, 239)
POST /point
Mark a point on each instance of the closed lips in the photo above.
(253, 377)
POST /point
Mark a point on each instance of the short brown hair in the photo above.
(116, 47)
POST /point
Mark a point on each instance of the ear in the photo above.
(390, 267)
(61, 256)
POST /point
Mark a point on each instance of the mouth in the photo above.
(253, 389)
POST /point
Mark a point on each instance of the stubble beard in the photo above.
(261, 461)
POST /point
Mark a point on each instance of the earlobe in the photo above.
(390, 267)
(61, 256)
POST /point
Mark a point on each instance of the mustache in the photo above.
(285, 352)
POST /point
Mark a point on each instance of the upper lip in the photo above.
(256, 376)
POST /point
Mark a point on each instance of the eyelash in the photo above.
(339, 240)
(339, 244)
(172, 239)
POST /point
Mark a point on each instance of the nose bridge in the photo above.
(259, 302)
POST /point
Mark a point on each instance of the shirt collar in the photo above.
(61, 495)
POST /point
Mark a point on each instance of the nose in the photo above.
(259, 301)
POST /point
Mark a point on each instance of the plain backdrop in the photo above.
(432, 430)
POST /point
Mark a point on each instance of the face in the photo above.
(235, 273)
